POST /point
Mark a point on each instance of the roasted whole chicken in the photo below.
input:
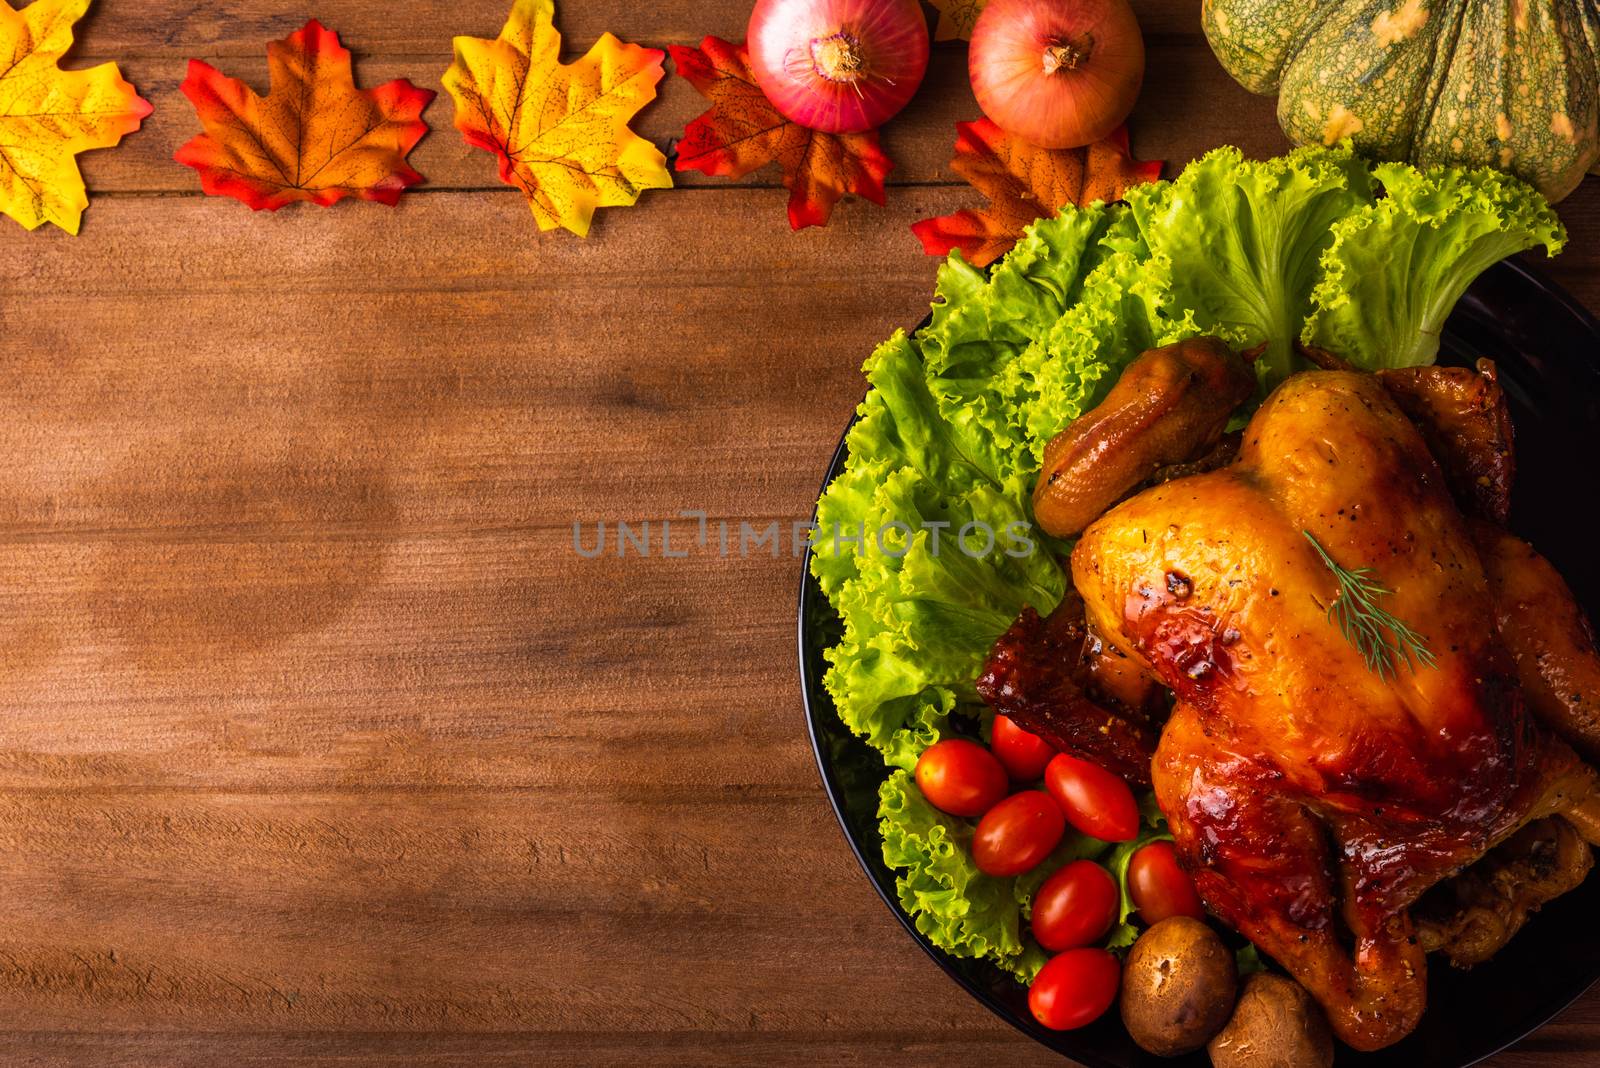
(1319, 781)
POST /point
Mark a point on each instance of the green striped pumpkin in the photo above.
(1501, 83)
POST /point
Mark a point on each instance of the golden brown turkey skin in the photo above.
(1313, 798)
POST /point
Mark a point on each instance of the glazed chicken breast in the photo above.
(1315, 792)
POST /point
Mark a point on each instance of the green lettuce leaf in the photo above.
(1242, 241)
(1397, 267)
(920, 617)
(1247, 960)
(983, 326)
(959, 908)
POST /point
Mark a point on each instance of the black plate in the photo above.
(1548, 351)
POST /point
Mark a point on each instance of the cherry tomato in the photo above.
(1018, 833)
(961, 777)
(1074, 988)
(1023, 754)
(1075, 906)
(1159, 887)
(1094, 801)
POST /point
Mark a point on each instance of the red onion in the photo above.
(1057, 73)
(839, 66)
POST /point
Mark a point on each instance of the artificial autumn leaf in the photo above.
(1024, 183)
(956, 18)
(560, 131)
(313, 137)
(743, 131)
(49, 115)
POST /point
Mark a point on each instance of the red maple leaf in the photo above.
(742, 131)
(1024, 182)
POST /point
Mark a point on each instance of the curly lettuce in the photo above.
(1395, 268)
(1243, 242)
(954, 904)
(1315, 247)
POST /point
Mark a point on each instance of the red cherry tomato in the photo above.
(1075, 906)
(1095, 801)
(961, 777)
(1019, 832)
(1159, 887)
(1024, 755)
(1074, 988)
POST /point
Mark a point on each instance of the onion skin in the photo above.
(1057, 73)
(838, 66)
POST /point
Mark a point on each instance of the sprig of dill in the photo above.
(1381, 638)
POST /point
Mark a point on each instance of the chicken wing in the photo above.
(1547, 634)
(1463, 417)
(1169, 406)
(1056, 680)
(1469, 918)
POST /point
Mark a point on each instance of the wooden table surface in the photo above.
(321, 745)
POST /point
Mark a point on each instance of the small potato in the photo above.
(1276, 1025)
(1178, 987)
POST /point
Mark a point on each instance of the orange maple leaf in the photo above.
(559, 130)
(1024, 183)
(49, 115)
(743, 131)
(313, 137)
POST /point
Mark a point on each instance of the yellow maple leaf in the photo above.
(49, 115)
(560, 131)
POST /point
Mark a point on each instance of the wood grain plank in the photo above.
(174, 28)
(547, 909)
(312, 521)
(518, 360)
(499, 662)
(1572, 1038)
(557, 1049)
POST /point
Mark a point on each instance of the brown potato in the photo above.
(1178, 987)
(1276, 1025)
